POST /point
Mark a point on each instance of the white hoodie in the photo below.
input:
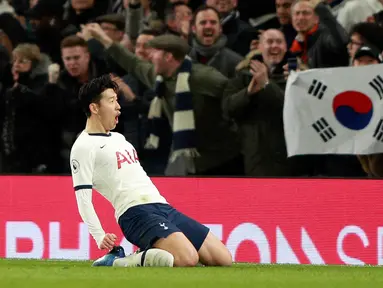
(5, 7)
(357, 11)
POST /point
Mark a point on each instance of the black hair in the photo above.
(204, 8)
(172, 6)
(91, 91)
(371, 33)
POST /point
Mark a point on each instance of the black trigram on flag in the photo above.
(378, 133)
(377, 84)
(317, 89)
(324, 129)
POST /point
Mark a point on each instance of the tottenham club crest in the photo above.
(75, 166)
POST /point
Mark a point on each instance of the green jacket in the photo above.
(260, 120)
(217, 142)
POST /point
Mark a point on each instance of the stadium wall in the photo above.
(260, 220)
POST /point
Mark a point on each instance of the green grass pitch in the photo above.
(57, 274)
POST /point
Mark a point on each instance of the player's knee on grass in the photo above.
(186, 258)
(180, 247)
(214, 253)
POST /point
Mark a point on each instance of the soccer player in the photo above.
(105, 161)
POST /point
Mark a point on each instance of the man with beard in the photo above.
(209, 44)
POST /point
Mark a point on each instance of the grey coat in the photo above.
(225, 61)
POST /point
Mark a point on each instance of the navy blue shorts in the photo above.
(143, 225)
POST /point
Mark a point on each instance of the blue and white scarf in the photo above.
(184, 133)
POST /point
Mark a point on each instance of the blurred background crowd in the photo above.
(46, 54)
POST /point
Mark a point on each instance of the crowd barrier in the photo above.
(297, 221)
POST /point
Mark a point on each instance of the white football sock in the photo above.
(149, 258)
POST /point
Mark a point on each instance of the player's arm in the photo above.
(82, 166)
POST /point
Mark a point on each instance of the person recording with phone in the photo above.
(254, 100)
(272, 52)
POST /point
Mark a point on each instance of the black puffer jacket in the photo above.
(327, 47)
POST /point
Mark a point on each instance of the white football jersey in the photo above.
(110, 165)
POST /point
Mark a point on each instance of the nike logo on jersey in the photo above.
(164, 226)
(102, 146)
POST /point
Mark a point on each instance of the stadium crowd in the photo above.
(239, 51)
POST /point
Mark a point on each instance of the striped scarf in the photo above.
(184, 133)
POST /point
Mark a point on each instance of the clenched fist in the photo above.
(95, 30)
(53, 72)
(108, 241)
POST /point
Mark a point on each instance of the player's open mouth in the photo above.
(116, 119)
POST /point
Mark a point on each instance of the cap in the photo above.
(170, 43)
(115, 19)
(371, 51)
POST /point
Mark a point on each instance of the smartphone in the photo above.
(258, 57)
(292, 64)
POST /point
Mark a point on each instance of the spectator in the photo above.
(61, 96)
(12, 33)
(210, 135)
(209, 44)
(355, 12)
(22, 151)
(255, 101)
(283, 8)
(44, 22)
(178, 19)
(365, 33)
(273, 53)
(367, 55)
(135, 115)
(113, 25)
(376, 18)
(236, 30)
(370, 55)
(30, 67)
(321, 42)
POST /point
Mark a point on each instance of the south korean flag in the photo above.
(334, 111)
